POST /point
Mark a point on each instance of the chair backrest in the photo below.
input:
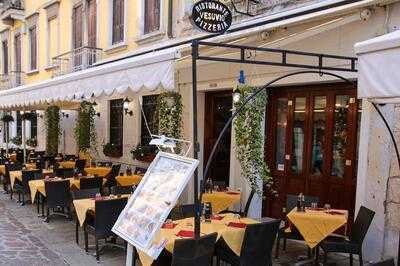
(107, 213)
(258, 242)
(28, 175)
(64, 172)
(84, 193)
(190, 252)
(187, 210)
(139, 170)
(389, 262)
(91, 182)
(80, 165)
(248, 203)
(361, 225)
(291, 201)
(58, 193)
(115, 170)
(120, 190)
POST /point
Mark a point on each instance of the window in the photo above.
(117, 122)
(34, 127)
(91, 23)
(33, 47)
(52, 32)
(77, 31)
(4, 46)
(151, 16)
(117, 21)
(19, 124)
(149, 106)
(18, 63)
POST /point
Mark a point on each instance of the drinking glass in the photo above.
(314, 205)
(327, 207)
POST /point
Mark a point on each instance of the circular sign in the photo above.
(211, 16)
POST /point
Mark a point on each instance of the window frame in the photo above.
(34, 29)
(111, 44)
(52, 11)
(145, 37)
(116, 107)
(6, 54)
(143, 127)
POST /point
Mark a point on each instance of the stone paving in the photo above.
(26, 240)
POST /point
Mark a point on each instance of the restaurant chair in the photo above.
(245, 212)
(58, 196)
(22, 187)
(80, 166)
(110, 177)
(91, 182)
(106, 214)
(20, 157)
(121, 190)
(187, 210)
(191, 252)
(11, 166)
(69, 157)
(389, 262)
(64, 172)
(258, 242)
(286, 232)
(175, 213)
(82, 194)
(139, 171)
(352, 245)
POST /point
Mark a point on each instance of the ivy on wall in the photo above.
(169, 107)
(53, 130)
(85, 128)
(249, 140)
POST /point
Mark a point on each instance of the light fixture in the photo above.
(96, 108)
(65, 114)
(126, 107)
(236, 96)
(163, 142)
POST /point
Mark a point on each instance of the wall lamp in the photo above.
(126, 107)
(96, 108)
(65, 114)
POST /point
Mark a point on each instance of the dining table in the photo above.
(67, 164)
(98, 170)
(17, 175)
(228, 226)
(128, 180)
(222, 200)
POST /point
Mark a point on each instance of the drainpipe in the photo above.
(170, 14)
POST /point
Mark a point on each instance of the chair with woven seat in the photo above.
(258, 242)
(110, 177)
(80, 166)
(22, 187)
(58, 196)
(353, 245)
(187, 210)
(64, 172)
(389, 262)
(11, 166)
(121, 190)
(91, 182)
(191, 252)
(106, 214)
(139, 171)
(292, 233)
(245, 212)
(82, 194)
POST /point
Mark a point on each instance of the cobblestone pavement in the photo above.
(26, 240)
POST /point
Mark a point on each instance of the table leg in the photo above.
(130, 255)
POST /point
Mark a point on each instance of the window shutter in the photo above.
(152, 16)
(118, 21)
(92, 23)
(77, 26)
(5, 56)
(33, 47)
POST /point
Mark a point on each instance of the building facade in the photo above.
(315, 128)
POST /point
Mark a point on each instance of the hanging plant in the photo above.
(169, 107)
(85, 128)
(144, 153)
(53, 130)
(17, 140)
(28, 116)
(32, 142)
(7, 118)
(112, 150)
(249, 139)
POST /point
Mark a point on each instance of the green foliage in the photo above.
(112, 150)
(169, 107)
(28, 116)
(249, 139)
(17, 140)
(85, 128)
(53, 130)
(142, 152)
(31, 142)
(7, 118)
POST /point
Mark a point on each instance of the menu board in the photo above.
(153, 199)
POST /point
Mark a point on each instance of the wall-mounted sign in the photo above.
(211, 16)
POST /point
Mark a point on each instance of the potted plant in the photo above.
(7, 118)
(17, 140)
(28, 116)
(112, 150)
(144, 153)
(32, 142)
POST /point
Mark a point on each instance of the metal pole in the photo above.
(195, 54)
(24, 138)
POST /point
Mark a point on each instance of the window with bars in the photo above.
(117, 122)
(33, 47)
(4, 46)
(151, 16)
(149, 106)
(117, 21)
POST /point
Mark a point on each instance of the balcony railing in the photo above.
(11, 80)
(76, 60)
(12, 10)
(12, 4)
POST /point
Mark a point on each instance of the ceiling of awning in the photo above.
(378, 68)
(146, 72)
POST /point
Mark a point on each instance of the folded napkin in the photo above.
(217, 217)
(232, 193)
(169, 225)
(237, 225)
(185, 233)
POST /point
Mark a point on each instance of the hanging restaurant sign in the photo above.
(211, 16)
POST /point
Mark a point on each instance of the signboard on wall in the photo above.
(152, 201)
(211, 16)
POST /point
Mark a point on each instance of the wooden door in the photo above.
(311, 144)
(218, 109)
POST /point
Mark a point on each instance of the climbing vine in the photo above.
(249, 139)
(169, 107)
(85, 128)
(53, 130)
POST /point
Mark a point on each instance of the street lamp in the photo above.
(126, 107)
(96, 108)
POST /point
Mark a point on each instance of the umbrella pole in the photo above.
(24, 138)
(6, 128)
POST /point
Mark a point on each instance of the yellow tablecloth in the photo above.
(315, 226)
(221, 200)
(30, 166)
(82, 206)
(100, 171)
(2, 169)
(13, 157)
(67, 164)
(232, 236)
(18, 175)
(129, 180)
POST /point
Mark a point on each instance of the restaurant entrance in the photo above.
(312, 143)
